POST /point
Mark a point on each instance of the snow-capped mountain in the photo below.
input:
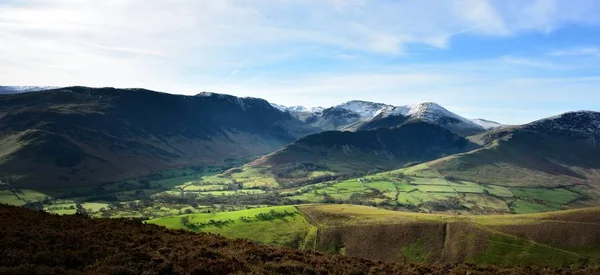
(366, 110)
(487, 124)
(365, 115)
(24, 89)
(428, 112)
(297, 109)
(279, 107)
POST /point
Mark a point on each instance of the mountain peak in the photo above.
(366, 109)
(434, 113)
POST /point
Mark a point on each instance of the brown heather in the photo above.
(39, 243)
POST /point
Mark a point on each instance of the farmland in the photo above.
(379, 234)
(39, 243)
(207, 190)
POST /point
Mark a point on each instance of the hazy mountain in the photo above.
(79, 135)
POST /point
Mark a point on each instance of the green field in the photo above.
(477, 239)
(280, 225)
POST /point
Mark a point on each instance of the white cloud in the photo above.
(580, 51)
(187, 46)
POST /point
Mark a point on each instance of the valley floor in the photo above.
(433, 222)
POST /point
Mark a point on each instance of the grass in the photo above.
(192, 188)
(553, 196)
(507, 250)
(499, 191)
(408, 198)
(421, 170)
(254, 177)
(436, 188)
(415, 253)
(485, 244)
(469, 189)
(383, 186)
(524, 207)
(429, 181)
(291, 230)
(94, 206)
(11, 199)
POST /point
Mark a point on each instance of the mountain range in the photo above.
(86, 136)
(80, 136)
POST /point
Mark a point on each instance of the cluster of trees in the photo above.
(188, 223)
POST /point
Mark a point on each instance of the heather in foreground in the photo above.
(40, 243)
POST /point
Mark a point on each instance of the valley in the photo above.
(405, 184)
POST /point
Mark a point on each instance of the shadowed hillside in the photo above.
(363, 151)
(558, 151)
(84, 136)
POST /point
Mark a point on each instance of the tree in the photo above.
(80, 210)
(328, 198)
(186, 221)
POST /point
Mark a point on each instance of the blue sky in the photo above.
(512, 61)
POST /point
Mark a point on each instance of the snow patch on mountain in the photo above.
(367, 110)
(297, 109)
(436, 114)
(24, 89)
(486, 124)
(428, 111)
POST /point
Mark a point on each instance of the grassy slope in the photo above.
(34, 242)
(556, 238)
(494, 239)
(290, 230)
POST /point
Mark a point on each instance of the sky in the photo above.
(512, 61)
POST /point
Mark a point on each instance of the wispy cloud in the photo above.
(238, 68)
(303, 52)
(580, 51)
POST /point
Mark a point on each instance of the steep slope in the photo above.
(34, 242)
(429, 112)
(81, 136)
(362, 151)
(558, 151)
(559, 238)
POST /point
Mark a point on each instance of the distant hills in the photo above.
(79, 136)
(561, 150)
(364, 151)
(83, 136)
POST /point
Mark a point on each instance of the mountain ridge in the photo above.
(80, 135)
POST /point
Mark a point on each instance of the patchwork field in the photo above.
(377, 234)
(423, 189)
